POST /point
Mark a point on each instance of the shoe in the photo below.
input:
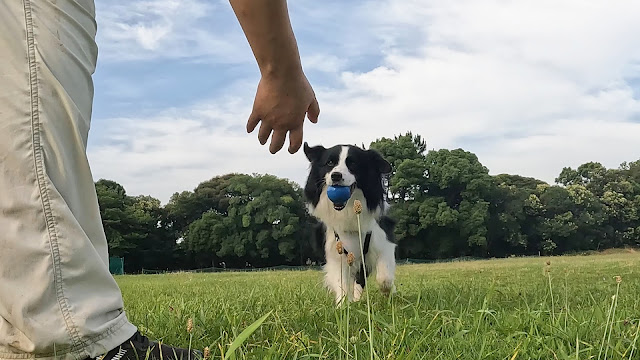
(137, 347)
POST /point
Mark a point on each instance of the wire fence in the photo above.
(313, 267)
(406, 261)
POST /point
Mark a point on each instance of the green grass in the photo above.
(494, 309)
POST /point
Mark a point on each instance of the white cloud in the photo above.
(530, 87)
(323, 62)
(517, 73)
(168, 29)
(177, 149)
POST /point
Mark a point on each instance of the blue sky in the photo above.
(529, 86)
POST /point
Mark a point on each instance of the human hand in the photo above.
(281, 103)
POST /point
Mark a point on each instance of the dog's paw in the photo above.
(340, 301)
(357, 292)
(387, 287)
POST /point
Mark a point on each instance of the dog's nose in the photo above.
(336, 176)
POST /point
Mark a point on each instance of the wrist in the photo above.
(279, 70)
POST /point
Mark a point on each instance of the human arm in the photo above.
(284, 95)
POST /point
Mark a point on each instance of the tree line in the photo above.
(445, 202)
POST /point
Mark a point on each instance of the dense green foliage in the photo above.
(446, 203)
(496, 309)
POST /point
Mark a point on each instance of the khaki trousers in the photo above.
(57, 297)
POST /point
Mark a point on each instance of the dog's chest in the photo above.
(344, 220)
(350, 241)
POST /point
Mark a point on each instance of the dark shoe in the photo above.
(137, 347)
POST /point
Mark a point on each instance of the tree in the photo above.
(464, 185)
(158, 249)
(445, 203)
(211, 195)
(592, 174)
(439, 198)
(112, 199)
(613, 213)
(507, 230)
(263, 224)
(518, 182)
(135, 229)
(400, 148)
(406, 154)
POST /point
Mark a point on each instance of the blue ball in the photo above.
(339, 194)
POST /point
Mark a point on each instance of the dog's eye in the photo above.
(331, 163)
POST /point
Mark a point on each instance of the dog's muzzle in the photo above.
(341, 206)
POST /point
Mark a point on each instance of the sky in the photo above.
(528, 86)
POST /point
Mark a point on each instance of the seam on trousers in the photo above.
(76, 341)
(109, 332)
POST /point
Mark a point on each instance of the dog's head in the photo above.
(346, 165)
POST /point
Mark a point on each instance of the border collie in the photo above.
(361, 170)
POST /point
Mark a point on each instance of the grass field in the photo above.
(494, 309)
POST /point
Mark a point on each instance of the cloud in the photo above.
(323, 62)
(176, 149)
(530, 87)
(193, 30)
(494, 77)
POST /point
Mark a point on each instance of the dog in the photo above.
(361, 170)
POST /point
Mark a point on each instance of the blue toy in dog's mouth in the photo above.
(339, 195)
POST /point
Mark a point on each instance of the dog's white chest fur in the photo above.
(346, 219)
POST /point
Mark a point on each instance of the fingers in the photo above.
(295, 140)
(253, 121)
(277, 141)
(314, 111)
(281, 128)
(264, 132)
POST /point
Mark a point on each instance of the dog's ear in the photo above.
(383, 165)
(313, 153)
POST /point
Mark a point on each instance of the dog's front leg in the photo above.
(386, 267)
(357, 291)
(338, 279)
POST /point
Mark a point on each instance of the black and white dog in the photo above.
(362, 170)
